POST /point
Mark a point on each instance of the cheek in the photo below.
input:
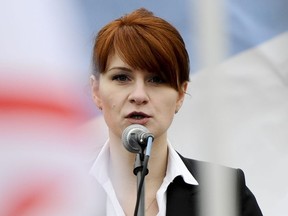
(109, 104)
(170, 99)
(167, 105)
(111, 101)
(110, 110)
(170, 110)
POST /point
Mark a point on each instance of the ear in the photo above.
(94, 83)
(181, 96)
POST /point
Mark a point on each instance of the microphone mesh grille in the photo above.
(129, 137)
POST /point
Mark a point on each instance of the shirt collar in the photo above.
(100, 168)
(176, 167)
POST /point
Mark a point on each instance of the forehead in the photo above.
(115, 60)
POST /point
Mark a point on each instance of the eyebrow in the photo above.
(120, 68)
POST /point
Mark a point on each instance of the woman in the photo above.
(141, 76)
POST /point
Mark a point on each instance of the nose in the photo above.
(138, 94)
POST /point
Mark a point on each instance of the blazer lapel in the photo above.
(182, 198)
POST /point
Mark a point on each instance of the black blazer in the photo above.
(184, 199)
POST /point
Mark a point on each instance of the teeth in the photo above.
(137, 117)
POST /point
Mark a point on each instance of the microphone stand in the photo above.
(140, 170)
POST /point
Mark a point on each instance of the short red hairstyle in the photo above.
(144, 42)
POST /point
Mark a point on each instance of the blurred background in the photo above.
(236, 112)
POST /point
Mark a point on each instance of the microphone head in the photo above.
(130, 137)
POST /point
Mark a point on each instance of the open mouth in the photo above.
(137, 115)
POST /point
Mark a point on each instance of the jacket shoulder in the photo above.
(200, 168)
(229, 181)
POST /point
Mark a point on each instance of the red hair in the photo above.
(144, 42)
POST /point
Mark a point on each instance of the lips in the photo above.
(138, 117)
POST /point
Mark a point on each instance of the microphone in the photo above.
(134, 137)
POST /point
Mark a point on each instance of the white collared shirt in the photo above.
(175, 167)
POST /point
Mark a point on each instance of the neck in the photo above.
(122, 165)
(122, 161)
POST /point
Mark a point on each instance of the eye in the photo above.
(157, 80)
(120, 78)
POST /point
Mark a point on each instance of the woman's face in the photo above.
(128, 96)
